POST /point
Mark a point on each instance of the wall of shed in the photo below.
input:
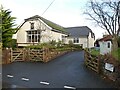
(104, 47)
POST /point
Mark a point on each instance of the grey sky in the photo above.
(66, 13)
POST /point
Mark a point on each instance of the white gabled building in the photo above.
(105, 44)
(36, 29)
(82, 36)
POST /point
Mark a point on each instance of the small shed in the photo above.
(105, 44)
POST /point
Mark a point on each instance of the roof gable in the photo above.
(49, 23)
(55, 27)
(106, 38)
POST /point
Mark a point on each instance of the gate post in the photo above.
(43, 51)
(10, 54)
(24, 54)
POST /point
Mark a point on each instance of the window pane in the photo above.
(38, 38)
(29, 38)
(32, 25)
(108, 45)
(38, 32)
(32, 38)
(35, 32)
(35, 38)
(76, 40)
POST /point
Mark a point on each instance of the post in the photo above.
(11, 55)
(44, 54)
(24, 54)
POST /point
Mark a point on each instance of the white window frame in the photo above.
(76, 40)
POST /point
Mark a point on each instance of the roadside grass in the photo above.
(116, 54)
(95, 52)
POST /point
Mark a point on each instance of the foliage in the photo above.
(59, 44)
(0, 45)
(53, 42)
(116, 54)
(95, 52)
(7, 26)
(70, 43)
(39, 46)
(56, 45)
(14, 43)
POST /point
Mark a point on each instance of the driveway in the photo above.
(67, 71)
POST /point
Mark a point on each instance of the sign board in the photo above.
(109, 67)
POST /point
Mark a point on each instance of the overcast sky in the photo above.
(67, 13)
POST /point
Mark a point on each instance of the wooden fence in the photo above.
(44, 55)
(98, 64)
(92, 62)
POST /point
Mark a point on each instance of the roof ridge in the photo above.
(76, 27)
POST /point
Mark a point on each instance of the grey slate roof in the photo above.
(78, 31)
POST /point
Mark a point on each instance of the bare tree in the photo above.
(106, 13)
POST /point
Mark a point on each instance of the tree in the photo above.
(106, 13)
(7, 26)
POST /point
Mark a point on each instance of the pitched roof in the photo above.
(54, 26)
(106, 38)
(78, 31)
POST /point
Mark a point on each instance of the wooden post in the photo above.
(24, 54)
(11, 54)
(44, 54)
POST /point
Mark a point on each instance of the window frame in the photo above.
(32, 36)
(76, 40)
(32, 25)
(108, 45)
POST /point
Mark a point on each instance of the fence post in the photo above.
(24, 54)
(11, 56)
(44, 54)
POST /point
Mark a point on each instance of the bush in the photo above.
(53, 42)
(39, 46)
(14, 43)
(0, 45)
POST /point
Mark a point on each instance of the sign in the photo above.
(109, 67)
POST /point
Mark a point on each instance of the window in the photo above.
(108, 44)
(33, 36)
(32, 25)
(76, 40)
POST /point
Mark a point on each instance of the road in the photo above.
(67, 71)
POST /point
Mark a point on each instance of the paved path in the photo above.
(67, 71)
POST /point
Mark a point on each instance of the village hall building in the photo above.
(36, 30)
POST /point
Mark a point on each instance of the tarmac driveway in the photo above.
(67, 71)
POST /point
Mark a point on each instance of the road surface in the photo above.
(67, 71)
